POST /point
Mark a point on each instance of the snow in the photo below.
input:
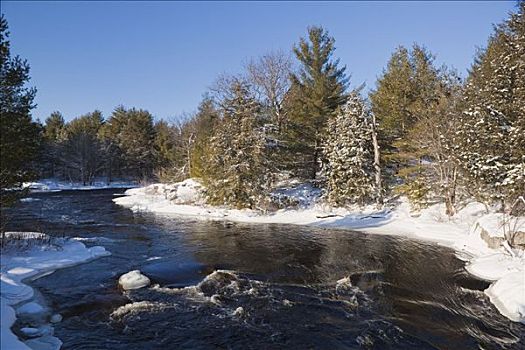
(301, 195)
(137, 307)
(460, 232)
(133, 280)
(493, 224)
(188, 191)
(54, 185)
(508, 295)
(26, 256)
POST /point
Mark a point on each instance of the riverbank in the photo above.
(27, 256)
(54, 185)
(503, 266)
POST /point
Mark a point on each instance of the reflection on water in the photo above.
(218, 285)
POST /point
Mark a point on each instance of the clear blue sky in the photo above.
(162, 56)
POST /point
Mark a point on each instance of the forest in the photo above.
(423, 131)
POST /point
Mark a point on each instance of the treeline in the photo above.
(89, 146)
(126, 145)
(423, 131)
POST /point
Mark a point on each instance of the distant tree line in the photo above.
(422, 132)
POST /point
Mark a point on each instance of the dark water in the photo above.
(236, 286)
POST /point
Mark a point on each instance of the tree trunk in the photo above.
(450, 200)
(377, 164)
(316, 157)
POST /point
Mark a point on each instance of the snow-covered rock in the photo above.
(31, 309)
(187, 192)
(133, 280)
(295, 195)
(56, 318)
(32, 332)
(496, 228)
(238, 311)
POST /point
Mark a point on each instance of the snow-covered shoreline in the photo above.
(53, 185)
(462, 233)
(26, 259)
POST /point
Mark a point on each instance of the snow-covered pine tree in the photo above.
(349, 152)
(238, 171)
(491, 140)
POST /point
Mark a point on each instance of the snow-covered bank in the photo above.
(53, 185)
(462, 233)
(28, 256)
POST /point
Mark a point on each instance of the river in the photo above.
(239, 286)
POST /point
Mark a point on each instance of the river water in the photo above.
(238, 286)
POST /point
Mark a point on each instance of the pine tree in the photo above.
(406, 91)
(81, 152)
(54, 127)
(109, 136)
(318, 90)
(168, 158)
(20, 137)
(349, 153)
(205, 123)
(136, 140)
(54, 134)
(491, 140)
(238, 172)
(392, 99)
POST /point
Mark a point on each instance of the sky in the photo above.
(163, 56)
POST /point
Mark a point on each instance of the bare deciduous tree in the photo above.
(269, 76)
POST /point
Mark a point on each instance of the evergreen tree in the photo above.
(168, 160)
(349, 153)
(318, 89)
(394, 95)
(491, 140)
(238, 172)
(20, 137)
(136, 140)
(54, 134)
(54, 127)
(406, 91)
(205, 123)
(109, 136)
(81, 152)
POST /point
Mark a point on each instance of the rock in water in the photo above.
(133, 280)
(55, 318)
